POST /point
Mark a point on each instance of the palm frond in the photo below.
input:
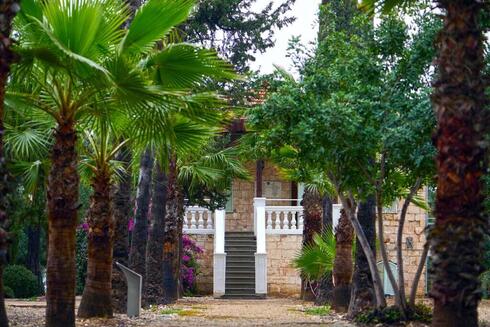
(315, 260)
(184, 66)
(153, 21)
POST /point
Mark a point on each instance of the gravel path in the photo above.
(202, 312)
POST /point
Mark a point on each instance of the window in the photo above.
(229, 201)
(393, 208)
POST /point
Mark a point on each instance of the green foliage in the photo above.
(81, 260)
(21, 281)
(393, 315)
(235, 29)
(319, 311)
(314, 261)
(8, 292)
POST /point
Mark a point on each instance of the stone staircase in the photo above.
(240, 250)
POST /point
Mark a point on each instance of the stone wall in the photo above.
(243, 193)
(282, 278)
(205, 277)
(412, 245)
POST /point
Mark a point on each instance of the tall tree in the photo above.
(362, 290)
(235, 29)
(154, 251)
(96, 299)
(122, 212)
(343, 268)
(139, 235)
(459, 103)
(8, 9)
(73, 81)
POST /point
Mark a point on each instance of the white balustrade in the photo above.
(198, 220)
(284, 219)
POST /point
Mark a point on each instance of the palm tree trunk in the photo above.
(154, 251)
(342, 269)
(8, 8)
(171, 242)
(122, 212)
(96, 298)
(325, 287)
(33, 251)
(137, 254)
(362, 294)
(459, 101)
(313, 218)
(63, 184)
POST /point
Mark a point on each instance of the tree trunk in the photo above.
(8, 8)
(325, 286)
(63, 188)
(362, 294)
(33, 249)
(459, 100)
(171, 243)
(154, 251)
(313, 218)
(137, 255)
(122, 213)
(342, 269)
(96, 298)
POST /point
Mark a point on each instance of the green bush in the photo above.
(392, 315)
(21, 281)
(81, 260)
(8, 292)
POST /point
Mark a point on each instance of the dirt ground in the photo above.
(198, 311)
(204, 312)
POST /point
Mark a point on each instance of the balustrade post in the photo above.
(219, 264)
(261, 254)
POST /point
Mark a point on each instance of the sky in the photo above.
(306, 26)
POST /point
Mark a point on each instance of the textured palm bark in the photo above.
(33, 252)
(63, 185)
(363, 296)
(122, 213)
(171, 243)
(137, 254)
(343, 268)
(459, 101)
(313, 216)
(154, 252)
(96, 299)
(8, 8)
(325, 286)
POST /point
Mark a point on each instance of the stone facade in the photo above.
(282, 278)
(413, 242)
(243, 193)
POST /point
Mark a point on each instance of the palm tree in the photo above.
(96, 298)
(81, 62)
(459, 101)
(9, 9)
(343, 268)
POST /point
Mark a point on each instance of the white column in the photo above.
(261, 254)
(219, 265)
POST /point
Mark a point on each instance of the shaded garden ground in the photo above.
(205, 311)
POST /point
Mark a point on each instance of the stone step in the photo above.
(244, 296)
(241, 269)
(239, 290)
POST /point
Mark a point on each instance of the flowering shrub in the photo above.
(189, 267)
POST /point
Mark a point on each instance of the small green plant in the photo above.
(21, 281)
(319, 311)
(170, 311)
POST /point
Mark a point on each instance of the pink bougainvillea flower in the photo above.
(131, 224)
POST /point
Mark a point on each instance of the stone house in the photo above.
(249, 247)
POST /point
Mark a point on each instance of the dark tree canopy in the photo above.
(235, 29)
